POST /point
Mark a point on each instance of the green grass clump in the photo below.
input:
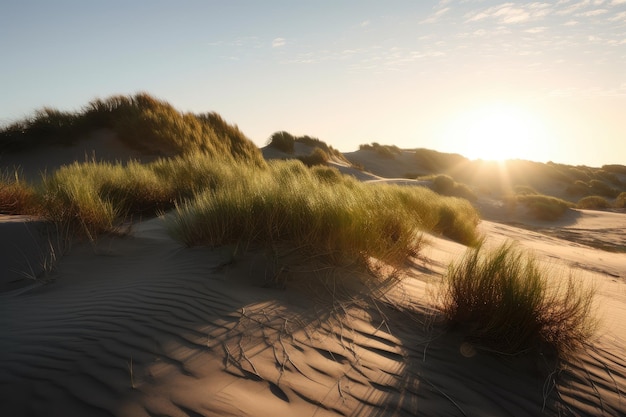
(593, 202)
(544, 207)
(283, 141)
(316, 157)
(343, 220)
(386, 151)
(92, 198)
(505, 302)
(71, 197)
(445, 185)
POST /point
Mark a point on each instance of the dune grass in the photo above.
(93, 197)
(506, 302)
(285, 142)
(223, 202)
(543, 207)
(17, 196)
(320, 213)
(141, 121)
(385, 151)
(445, 185)
(593, 202)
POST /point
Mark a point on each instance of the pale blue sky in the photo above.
(535, 80)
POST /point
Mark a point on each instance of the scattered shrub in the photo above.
(17, 196)
(445, 185)
(616, 169)
(544, 207)
(593, 202)
(386, 151)
(283, 141)
(316, 157)
(505, 302)
(578, 188)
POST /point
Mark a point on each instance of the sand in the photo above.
(140, 325)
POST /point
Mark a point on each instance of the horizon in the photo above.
(484, 79)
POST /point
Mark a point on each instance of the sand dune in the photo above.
(139, 325)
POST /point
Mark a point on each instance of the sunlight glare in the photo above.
(497, 132)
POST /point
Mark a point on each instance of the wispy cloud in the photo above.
(618, 17)
(595, 12)
(278, 42)
(436, 16)
(511, 13)
(539, 29)
(365, 23)
(573, 7)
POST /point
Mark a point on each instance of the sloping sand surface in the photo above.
(141, 326)
(100, 145)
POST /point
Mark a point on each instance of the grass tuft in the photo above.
(321, 212)
(593, 202)
(543, 207)
(506, 302)
(17, 196)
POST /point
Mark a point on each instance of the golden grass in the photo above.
(17, 196)
(322, 213)
(504, 301)
(141, 121)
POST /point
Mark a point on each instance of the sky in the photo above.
(543, 81)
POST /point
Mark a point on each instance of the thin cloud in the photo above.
(511, 13)
(435, 16)
(365, 23)
(537, 30)
(591, 13)
(278, 42)
(618, 17)
(574, 7)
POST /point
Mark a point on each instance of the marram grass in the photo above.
(319, 212)
(505, 301)
(224, 202)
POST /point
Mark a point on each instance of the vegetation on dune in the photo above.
(316, 157)
(17, 196)
(446, 185)
(285, 200)
(506, 302)
(593, 202)
(285, 142)
(93, 197)
(620, 201)
(322, 213)
(543, 207)
(439, 162)
(141, 121)
(386, 151)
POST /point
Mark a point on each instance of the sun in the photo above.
(498, 131)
